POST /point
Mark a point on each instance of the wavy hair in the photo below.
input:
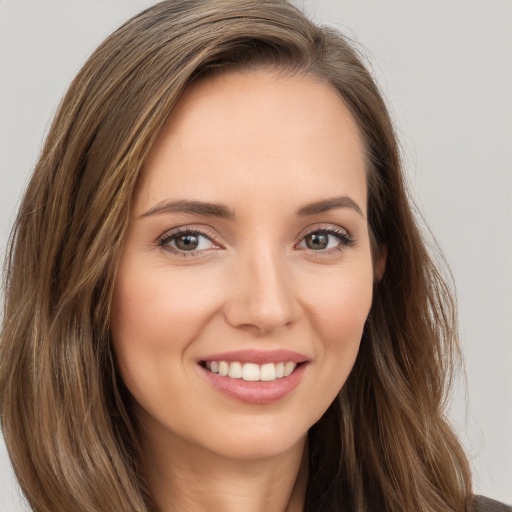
(66, 416)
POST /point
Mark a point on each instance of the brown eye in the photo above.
(335, 238)
(187, 242)
(317, 241)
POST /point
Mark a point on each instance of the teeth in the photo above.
(268, 372)
(288, 368)
(235, 371)
(250, 371)
(223, 368)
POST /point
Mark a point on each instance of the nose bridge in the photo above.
(263, 291)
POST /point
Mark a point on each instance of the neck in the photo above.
(190, 479)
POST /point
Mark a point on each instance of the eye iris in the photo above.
(317, 241)
(187, 242)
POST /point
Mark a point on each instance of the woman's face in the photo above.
(248, 253)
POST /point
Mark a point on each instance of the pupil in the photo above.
(187, 242)
(317, 241)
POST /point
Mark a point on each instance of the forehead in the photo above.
(256, 132)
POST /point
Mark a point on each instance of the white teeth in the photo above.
(251, 371)
(223, 368)
(288, 368)
(235, 370)
(268, 372)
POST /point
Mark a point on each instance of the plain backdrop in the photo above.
(445, 69)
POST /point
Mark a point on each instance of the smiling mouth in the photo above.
(251, 372)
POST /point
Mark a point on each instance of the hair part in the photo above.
(66, 415)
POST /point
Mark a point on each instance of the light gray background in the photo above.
(445, 68)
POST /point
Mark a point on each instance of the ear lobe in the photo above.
(380, 265)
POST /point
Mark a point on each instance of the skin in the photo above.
(264, 145)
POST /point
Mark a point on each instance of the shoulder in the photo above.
(483, 504)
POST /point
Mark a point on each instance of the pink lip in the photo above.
(254, 392)
(258, 356)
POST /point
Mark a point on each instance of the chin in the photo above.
(261, 446)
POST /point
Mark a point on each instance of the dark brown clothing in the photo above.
(483, 504)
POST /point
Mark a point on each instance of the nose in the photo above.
(262, 296)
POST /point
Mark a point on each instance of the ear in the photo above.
(380, 264)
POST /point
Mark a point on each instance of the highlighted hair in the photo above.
(384, 444)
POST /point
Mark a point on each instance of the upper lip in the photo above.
(258, 356)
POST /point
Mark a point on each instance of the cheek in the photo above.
(342, 304)
(155, 305)
(339, 311)
(158, 315)
(154, 318)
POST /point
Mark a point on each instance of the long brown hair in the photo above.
(384, 444)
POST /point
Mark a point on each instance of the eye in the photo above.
(186, 241)
(326, 239)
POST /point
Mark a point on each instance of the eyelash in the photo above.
(164, 241)
(343, 237)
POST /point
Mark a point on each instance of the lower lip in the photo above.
(259, 392)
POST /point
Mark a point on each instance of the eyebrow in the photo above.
(222, 211)
(329, 204)
(197, 207)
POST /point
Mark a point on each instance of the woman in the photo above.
(218, 296)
